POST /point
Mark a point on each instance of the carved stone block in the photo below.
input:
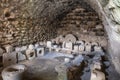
(88, 47)
(70, 37)
(17, 49)
(69, 45)
(9, 48)
(49, 44)
(36, 45)
(21, 56)
(97, 75)
(40, 51)
(81, 48)
(30, 54)
(9, 59)
(76, 48)
(97, 48)
(80, 42)
(23, 48)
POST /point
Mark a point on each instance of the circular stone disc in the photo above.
(70, 37)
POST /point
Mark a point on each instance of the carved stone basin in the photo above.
(14, 72)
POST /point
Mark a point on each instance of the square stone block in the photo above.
(9, 48)
(40, 51)
(97, 75)
(30, 54)
(81, 48)
(21, 56)
(9, 59)
(88, 48)
(23, 48)
(17, 49)
(49, 44)
(97, 48)
(36, 45)
(69, 45)
(76, 48)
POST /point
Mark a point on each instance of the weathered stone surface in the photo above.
(44, 69)
(96, 65)
(69, 45)
(94, 44)
(77, 61)
(88, 47)
(14, 72)
(107, 63)
(40, 51)
(30, 54)
(63, 44)
(20, 56)
(98, 48)
(67, 60)
(76, 48)
(9, 48)
(49, 44)
(9, 59)
(17, 49)
(23, 48)
(59, 39)
(109, 24)
(31, 47)
(81, 48)
(29, 23)
(62, 72)
(1, 51)
(36, 45)
(80, 42)
(97, 75)
(113, 6)
(70, 38)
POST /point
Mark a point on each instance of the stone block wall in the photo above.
(28, 21)
(85, 24)
(19, 26)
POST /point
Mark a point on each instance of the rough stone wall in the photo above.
(85, 24)
(19, 26)
(29, 21)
